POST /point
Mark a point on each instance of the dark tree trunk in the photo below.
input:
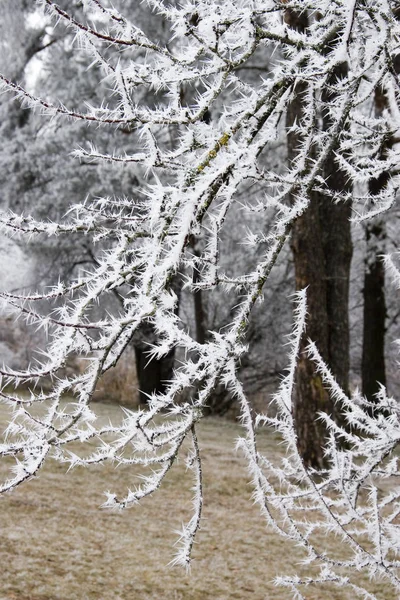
(199, 315)
(153, 375)
(322, 250)
(373, 352)
(373, 371)
(311, 397)
(309, 263)
(338, 251)
(220, 400)
(337, 244)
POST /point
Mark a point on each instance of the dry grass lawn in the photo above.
(57, 544)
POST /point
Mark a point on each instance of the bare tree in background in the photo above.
(374, 319)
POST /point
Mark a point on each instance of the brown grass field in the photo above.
(57, 544)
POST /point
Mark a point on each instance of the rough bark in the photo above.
(322, 250)
(373, 368)
(311, 397)
(338, 251)
(373, 352)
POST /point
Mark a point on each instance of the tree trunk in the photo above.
(220, 400)
(153, 375)
(373, 352)
(199, 316)
(338, 251)
(311, 397)
(373, 369)
(322, 250)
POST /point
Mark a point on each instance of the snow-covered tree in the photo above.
(196, 171)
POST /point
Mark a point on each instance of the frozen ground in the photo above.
(57, 544)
